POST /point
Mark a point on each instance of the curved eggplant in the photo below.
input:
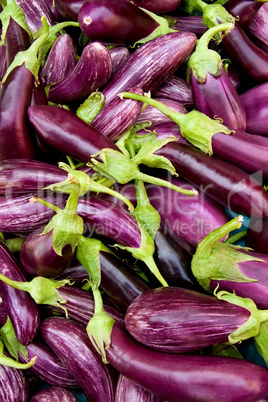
(16, 40)
(127, 390)
(14, 387)
(54, 393)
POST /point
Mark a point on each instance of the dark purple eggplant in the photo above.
(192, 23)
(158, 6)
(48, 366)
(16, 40)
(91, 72)
(127, 390)
(227, 184)
(38, 257)
(69, 9)
(115, 21)
(152, 63)
(54, 10)
(257, 235)
(255, 104)
(257, 29)
(153, 115)
(118, 116)
(14, 387)
(194, 377)
(3, 61)
(33, 11)
(60, 61)
(27, 175)
(20, 307)
(177, 89)
(71, 343)
(54, 393)
(3, 312)
(67, 133)
(119, 56)
(243, 10)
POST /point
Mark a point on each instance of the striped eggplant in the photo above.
(177, 89)
(14, 387)
(153, 115)
(127, 390)
(257, 29)
(33, 11)
(54, 393)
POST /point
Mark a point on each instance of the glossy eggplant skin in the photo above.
(91, 72)
(66, 132)
(119, 56)
(152, 63)
(20, 306)
(257, 235)
(14, 387)
(245, 10)
(158, 6)
(16, 40)
(257, 29)
(192, 23)
(115, 21)
(33, 11)
(194, 377)
(48, 366)
(38, 258)
(227, 184)
(71, 343)
(69, 9)
(3, 312)
(178, 320)
(3, 61)
(54, 393)
(177, 89)
(127, 390)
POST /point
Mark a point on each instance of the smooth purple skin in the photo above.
(3, 61)
(178, 320)
(60, 61)
(164, 130)
(16, 93)
(54, 10)
(118, 116)
(151, 64)
(194, 377)
(20, 306)
(245, 10)
(55, 394)
(192, 23)
(48, 366)
(71, 343)
(16, 40)
(67, 133)
(38, 258)
(22, 175)
(228, 106)
(3, 312)
(119, 55)
(158, 6)
(257, 29)
(177, 89)
(33, 11)
(18, 215)
(13, 385)
(257, 291)
(246, 56)
(257, 235)
(255, 104)
(153, 115)
(69, 9)
(91, 72)
(224, 182)
(127, 390)
(115, 21)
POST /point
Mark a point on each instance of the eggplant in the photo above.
(152, 63)
(33, 11)
(69, 9)
(3, 62)
(66, 132)
(119, 56)
(177, 89)
(192, 23)
(16, 40)
(14, 387)
(255, 104)
(60, 61)
(91, 72)
(127, 390)
(257, 235)
(158, 6)
(118, 116)
(54, 393)
(3, 312)
(21, 308)
(257, 29)
(243, 10)
(115, 21)
(153, 115)
(227, 184)
(165, 130)
(48, 366)
(71, 343)
(194, 377)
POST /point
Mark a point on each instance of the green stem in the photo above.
(45, 203)
(71, 162)
(2, 236)
(150, 262)
(7, 361)
(16, 284)
(236, 237)
(203, 42)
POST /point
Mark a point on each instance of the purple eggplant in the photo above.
(152, 63)
(257, 29)
(54, 393)
(243, 10)
(192, 23)
(69, 9)
(21, 308)
(16, 40)
(38, 257)
(71, 343)
(67, 133)
(14, 387)
(24, 175)
(165, 130)
(257, 235)
(60, 61)
(158, 6)
(119, 56)
(3, 62)
(177, 89)
(118, 116)
(227, 184)
(153, 115)
(33, 11)
(255, 104)
(194, 377)
(54, 10)
(127, 390)
(3, 312)
(91, 72)
(48, 366)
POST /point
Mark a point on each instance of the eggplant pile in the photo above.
(133, 200)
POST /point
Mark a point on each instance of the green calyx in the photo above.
(215, 14)
(215, 260)
(12, 10)
(8, 361)
(10, 341)
(91, 107)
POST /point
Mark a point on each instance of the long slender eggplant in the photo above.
(257, 29)
(14, 387)
(194, 377)
(148, 66)
(16, 40)
(71, 343)
(69, 9)
(54, 393)
(33, 11)
(153, 115)
(127, 390)
(177, 89)
(227, 184)
(119, 56)
(118, 116)
(243, 10)
(158, 6)
(60, 61)
(48, 366)
(21, 308)
(66, 132)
